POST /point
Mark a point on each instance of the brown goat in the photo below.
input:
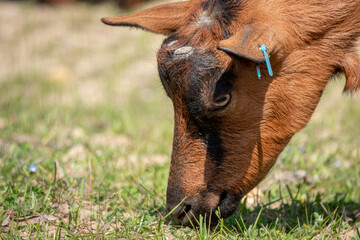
(230, 126)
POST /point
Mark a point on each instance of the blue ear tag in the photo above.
(264, 49)
(258, 71)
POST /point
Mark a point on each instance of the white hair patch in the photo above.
(184, 52)
(172, 43)
(204, 19)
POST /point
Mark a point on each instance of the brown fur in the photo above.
(308, 42)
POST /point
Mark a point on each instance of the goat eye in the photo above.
(221, 101)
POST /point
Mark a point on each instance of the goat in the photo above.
(230, 126)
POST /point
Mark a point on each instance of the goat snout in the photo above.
(188, 210)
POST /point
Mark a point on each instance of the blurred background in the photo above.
(71, 85)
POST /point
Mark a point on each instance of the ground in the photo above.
(82, 101)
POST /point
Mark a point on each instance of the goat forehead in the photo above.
(187, 65)
(188, 61)
(188, 73)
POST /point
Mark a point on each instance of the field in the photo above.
(82, 101)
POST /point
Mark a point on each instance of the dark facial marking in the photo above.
(203, 71)
(187, 78)
(214, 148)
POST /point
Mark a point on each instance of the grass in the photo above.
(93, 117)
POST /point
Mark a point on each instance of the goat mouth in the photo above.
(228, 204)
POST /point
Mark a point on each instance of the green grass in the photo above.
(101, 138)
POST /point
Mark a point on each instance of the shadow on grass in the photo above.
(315, 214)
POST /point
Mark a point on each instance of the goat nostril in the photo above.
(183, 212)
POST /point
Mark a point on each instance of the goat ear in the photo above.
(351, 68)
(162, 19)
(246, 42)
